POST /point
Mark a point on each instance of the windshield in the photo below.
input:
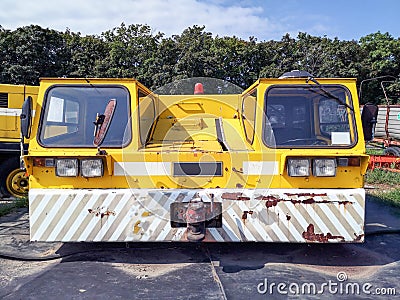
(70, 114)
(309, 116)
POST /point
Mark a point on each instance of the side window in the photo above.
(249, 105)
(62, 117)
(147, 114)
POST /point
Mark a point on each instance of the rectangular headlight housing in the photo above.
(92, 167)
(298, 167)
(324, 167)
(67, 167)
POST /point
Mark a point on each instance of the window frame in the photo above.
(252, 93)
(151, 96)
(351, 118)
(92, 86)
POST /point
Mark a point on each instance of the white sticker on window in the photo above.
(340, 138)
(56, 110)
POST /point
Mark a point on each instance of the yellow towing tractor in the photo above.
(13, 180)
(109, 160)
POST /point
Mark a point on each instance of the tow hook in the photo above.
(196, 219)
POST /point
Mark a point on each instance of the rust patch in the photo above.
(271, 203)
(311, 236)
(270, 200)
(97, 212)
(234, 196)
(273, 200)
(107, 213)
(306, 194)
(244, 215)
(308, 201)
(345, 202)
(268, 197)
(358, 237)
(312, 200)
(295, 201)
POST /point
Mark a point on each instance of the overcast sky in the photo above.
(265, 20)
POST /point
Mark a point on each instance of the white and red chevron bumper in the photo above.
(270, 215)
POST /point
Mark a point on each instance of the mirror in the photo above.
(26, 117)
(369, 117)
(103, 122)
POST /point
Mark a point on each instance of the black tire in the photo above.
(392, 151)
(13, 181)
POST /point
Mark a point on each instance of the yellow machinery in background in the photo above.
(13, 180)
(281, 162)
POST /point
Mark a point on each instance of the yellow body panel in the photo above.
(13, 97)
(185, 132)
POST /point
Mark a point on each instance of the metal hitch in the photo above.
(196, 220)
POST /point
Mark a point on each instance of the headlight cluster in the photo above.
(70, 167)
(321, 167)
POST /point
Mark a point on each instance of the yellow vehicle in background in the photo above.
(13, 180)
(283, 161)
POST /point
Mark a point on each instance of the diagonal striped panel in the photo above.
(272, 215)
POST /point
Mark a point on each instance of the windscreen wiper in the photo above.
(328, 94)
(102, 123)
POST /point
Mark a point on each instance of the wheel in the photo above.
(13, 180)
(392, 151)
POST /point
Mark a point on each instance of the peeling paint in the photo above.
(234, 196)
(245, 213)
(311, 236)
(136, 227)
(273, 200)
(306, 194)
(97, 212)
(359, 237)
(146, 214)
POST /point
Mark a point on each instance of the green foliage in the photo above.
(391, 193)
(382, 59)
(6, 208)
(31, 52)
(374, 151)
(380, 176)
(391, 197)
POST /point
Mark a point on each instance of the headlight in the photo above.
(298, 167)
(67, 167)
(324, 167)
(92, 167)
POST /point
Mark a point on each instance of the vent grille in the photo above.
(4, 100)
(198, 169)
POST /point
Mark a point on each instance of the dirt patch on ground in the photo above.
(379, 187)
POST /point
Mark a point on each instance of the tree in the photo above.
(383, 58)
(194, 53)
(131, 49)
(86, 54)
(31, 52)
